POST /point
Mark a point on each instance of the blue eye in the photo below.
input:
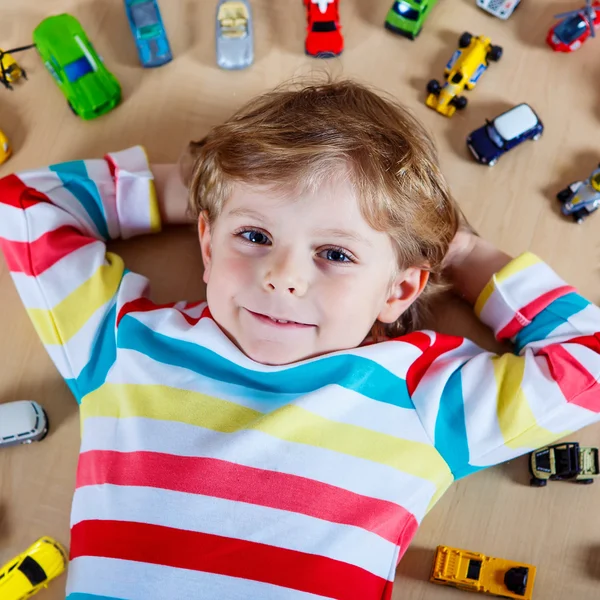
(255, 237)
(336, 255)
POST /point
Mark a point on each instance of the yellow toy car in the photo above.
(463, 70)
(475, 572)
(32, 570)
(10, 71)
(5, 149)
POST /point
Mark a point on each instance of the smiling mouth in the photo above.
(284, 323)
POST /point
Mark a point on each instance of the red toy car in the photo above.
(323, 35)
(574, 28)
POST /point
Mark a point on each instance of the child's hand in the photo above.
(471, 262)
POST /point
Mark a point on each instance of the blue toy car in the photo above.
(581, 198)
(149, 32)
(519, 124)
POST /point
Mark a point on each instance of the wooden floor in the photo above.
(513, 204)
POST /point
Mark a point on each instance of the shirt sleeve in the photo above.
(54, 225)
(481, 408)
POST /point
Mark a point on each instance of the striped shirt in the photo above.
(204, 474)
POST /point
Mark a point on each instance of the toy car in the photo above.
(563, 461)
(22, 422)
(31, 571)
(324, 34)
(90, 88)
(476, 572)
(149, 32)
(581, 198)
(463, 70)
(10, 71)
(235, 38)
(499, 8)
(513, 127)
(574, 28)
(406, 17)
(5, 149)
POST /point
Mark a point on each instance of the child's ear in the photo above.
(405, 289)
(205, 247)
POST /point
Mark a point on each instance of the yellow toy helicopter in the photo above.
(10, 71)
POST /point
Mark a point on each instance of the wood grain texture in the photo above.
(495, 511)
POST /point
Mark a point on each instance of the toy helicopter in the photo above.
(10, 71)
(574, 27)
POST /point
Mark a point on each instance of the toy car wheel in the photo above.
(47, 426)
(495, 53)
(434, 87)
(585, 481)
(72, 109)
(492, 162)
(580, 215)
(464, 40)
(564, 195)
(460, 102)
(536, 137)
(535, 482)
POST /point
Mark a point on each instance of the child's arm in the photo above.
(54, 223)
(172, 194)
(494, 407)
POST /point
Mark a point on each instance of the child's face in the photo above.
(311, 260)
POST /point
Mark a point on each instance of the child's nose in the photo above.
(285, 273)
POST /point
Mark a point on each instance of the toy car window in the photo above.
(77, 69)
(32, 570)
(570, 29)
(495, 136)
(457, 77)
(406, 11)
(323, 26)
(474, 569)
(144, 15)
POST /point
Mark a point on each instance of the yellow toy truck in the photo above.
(475, 572)
(463, 71)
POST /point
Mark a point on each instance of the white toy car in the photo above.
(499, 8)
(22, 422)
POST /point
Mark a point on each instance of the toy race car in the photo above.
(10, 70)
(5, 148)
(581, 198)
(563, 461)
(499, 8)
(513, 127)
(149, 32)
(323, 34)
(463, 70)
(90, 88)
(22, 422)
(406, 17)
(31, 571)
(235, 38)
(476, 572)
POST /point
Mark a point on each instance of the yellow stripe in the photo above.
(155, 223)
(517, 422)
(520, 263)
(59, 324)
(290, 423)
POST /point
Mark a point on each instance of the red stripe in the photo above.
(14, 192)
(576, 383)
(146, 305)
(33, 258)
(417, 338)
(156, 544)
(222, 479)
(529, 312)
(589, 341)
(441, 345)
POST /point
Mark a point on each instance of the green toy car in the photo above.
(568, 461)
(406, 17)
(90, 88)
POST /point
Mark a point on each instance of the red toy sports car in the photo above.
(323, 35)
(574, 28)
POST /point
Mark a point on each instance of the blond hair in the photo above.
(296, 136)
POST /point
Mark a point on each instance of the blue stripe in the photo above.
(450, 429)
(74, 177)
(81, 596)
(545, 322)
(104, 354)
(351, 372)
